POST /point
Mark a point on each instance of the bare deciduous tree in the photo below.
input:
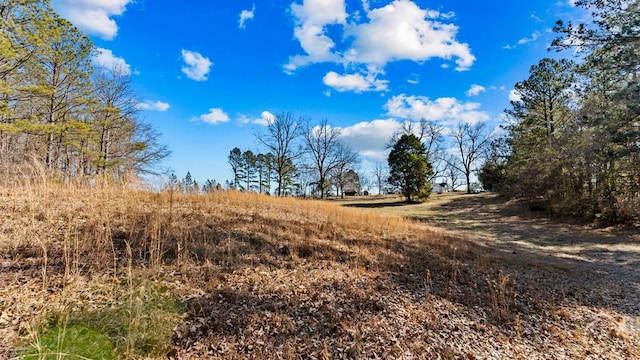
(280, 139)
(470, 141)
(380, 172)
(322, 145)
(347, 160)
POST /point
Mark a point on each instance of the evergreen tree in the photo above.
(409, 168)
(188, 183)
(603, 152)
(236, 162)
(52, 107)
(173, 182)
(210, 185)
(249, 169)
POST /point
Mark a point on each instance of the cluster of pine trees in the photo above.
(57, 110)
(573, 138)
(255, 172)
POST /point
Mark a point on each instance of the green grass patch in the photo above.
(73, 342)
(138, 319)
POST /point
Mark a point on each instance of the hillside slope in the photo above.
(231, 275)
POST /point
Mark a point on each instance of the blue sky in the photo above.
(210, 73)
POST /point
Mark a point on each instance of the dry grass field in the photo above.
(231, 275)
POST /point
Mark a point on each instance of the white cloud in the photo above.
(514, 95)
(265, 119)
(149, 105)
(448, 110)
(475, 90)
(92, 16)
(448, 15)
(214, 116)
(104, 58)
(370, 138)
(533, 37)
(311, 18)
(246, 15)
(354, 82)
(400, 30)
(320, 12)
(535, 17)
(197, 66)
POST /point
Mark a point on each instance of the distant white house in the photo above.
(439, 188)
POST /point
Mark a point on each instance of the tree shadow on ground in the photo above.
(514, 221)
(375, 205)
(503, 286)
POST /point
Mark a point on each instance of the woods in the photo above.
(573, 137)
(60, 112)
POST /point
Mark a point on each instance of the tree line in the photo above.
(58, 111)
(572, 142)
(302, 155)
(299, 155)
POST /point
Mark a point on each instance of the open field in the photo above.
(605, 259)
(231, 275)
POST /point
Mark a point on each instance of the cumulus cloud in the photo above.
(93, 16)
(475, 90)
(370, 138)
(246, 15)
(104, 58)
(448, 110)
(265, 119)
(148, 105)
(214, 116)
(514, 95)
(400, 30)
(354, 82)
(312, 16)
(197, 66)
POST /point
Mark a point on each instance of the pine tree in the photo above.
(409, 168)
(188, 183)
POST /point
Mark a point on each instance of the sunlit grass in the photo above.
(158, 273)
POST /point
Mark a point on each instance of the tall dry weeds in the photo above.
(254, 269)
